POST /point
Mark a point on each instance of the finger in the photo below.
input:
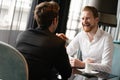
(64, 37)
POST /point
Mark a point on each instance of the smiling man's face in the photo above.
(88, 21)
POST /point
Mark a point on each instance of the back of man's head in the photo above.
(45, 12)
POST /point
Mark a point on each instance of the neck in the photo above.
(92, 33)
(50, 29)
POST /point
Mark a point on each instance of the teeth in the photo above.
(86, 26)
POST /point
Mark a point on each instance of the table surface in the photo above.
(98, 74)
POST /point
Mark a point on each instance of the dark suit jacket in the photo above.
(44, 52)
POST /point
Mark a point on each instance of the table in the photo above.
(99, 74)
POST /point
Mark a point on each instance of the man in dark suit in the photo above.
(44, 51)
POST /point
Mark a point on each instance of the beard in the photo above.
(87, 27)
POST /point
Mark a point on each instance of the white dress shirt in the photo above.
(100, 49)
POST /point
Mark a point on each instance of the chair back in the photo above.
(116, 61)
(13, 65)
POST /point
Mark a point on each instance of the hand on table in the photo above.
(76, 63)
(89, 60)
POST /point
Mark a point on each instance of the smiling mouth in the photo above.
(88, 25)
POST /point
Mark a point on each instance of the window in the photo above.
(14, 14)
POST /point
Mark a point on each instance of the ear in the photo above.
(54, 20)
(97, 19)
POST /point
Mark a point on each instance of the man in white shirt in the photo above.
(96, 45)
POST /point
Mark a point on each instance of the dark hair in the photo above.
(92, 9)
(45, 12)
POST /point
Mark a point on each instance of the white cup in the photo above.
(88, 68)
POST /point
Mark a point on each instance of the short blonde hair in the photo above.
(92, 9)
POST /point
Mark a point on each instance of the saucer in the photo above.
(91, 72)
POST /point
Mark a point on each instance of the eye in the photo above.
(81, 18)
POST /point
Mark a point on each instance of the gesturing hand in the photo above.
(62, 36)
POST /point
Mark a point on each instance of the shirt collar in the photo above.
(98, 34)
